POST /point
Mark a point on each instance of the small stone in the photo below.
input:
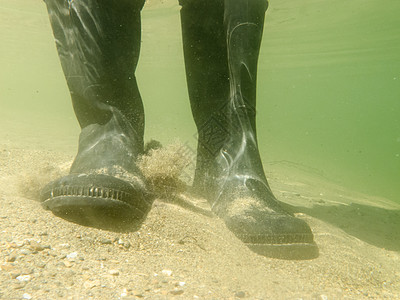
(23, 278)
(69, 274)
(138, 294)
(40, 264)
(176, 292)
(26, 296)
(11, 258)
(43, 233)
(19, 244)
(15, 273)
(8, 267)
(72, 255)
(36, 246)
(60, 264)
(26, 271)
(166, 272)
(124, 244)
(19, 285)
(91, 284)
(240, 294)
(124, 293)
(113, 272)
(25, 252)
(68, 264)
(105, 241)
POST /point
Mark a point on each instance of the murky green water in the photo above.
(328, 94)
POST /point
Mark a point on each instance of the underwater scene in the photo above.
(186, 210)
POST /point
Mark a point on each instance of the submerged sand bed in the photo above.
(186, 253)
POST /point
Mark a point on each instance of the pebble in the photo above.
(26, 296)
(124, 293)
(91, 284)
(11, 258)
(19, 244)
(25, 252)
(68, 264)
(176, 292)
(26, 271)
(72, 255)
(40, 264)
(69, 274)
(19, 285)
(138, 294)
(36, 246)
(240, 294)
(166, 272)
(8, 267)
(113, 272)
(23, 278)
(124, 244)
(105, 241)
(15, 273)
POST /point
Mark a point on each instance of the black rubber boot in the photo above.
(221, 46)
(98, 42)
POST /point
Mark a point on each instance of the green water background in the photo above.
(328, 86)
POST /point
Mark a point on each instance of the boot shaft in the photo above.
(98, 42)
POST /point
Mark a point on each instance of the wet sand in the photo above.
(183, 253)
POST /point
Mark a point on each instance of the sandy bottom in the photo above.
(184, 252)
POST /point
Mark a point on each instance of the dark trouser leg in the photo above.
(225, 37)
(98, 42)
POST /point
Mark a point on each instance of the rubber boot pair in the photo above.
(98, 42)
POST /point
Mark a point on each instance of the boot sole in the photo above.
(100, 201)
